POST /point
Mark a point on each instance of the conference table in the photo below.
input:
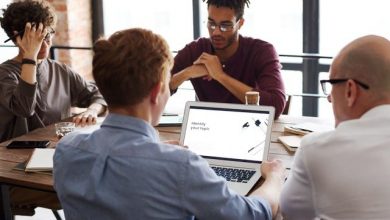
(9, 158)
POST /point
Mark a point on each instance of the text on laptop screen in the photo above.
(227, 133)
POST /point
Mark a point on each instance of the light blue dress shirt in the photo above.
(123, 171)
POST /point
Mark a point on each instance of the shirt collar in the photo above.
(133, 124)
(377, 110)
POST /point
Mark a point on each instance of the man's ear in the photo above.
(351, 92)
(242, 21)
(156, 90)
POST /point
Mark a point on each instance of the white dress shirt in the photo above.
(342, 174)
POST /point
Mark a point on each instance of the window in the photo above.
(359, 17)
(171, 19)
(6, 52)
(3, 5)
(272, 21)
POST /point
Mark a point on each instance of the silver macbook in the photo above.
(233, 138)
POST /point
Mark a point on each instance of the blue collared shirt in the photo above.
(123, 171)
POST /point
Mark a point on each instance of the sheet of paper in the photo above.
(41, 160)
(293, 141)
(309, 126)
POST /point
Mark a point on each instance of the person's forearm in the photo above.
(98, 108)
(179, 78)
(270, 190)
(237, 88)
(28, 72)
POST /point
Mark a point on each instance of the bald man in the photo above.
(345, 173)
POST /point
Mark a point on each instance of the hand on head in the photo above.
(32, 39)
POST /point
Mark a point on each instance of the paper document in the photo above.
(170, 120)
(41, 160)
(291, 142)
(307, 127)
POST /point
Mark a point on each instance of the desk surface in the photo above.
(10, 158)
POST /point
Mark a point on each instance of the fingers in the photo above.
(84, 120)
(173, 142)
(87, 120)
(273, 167)
(33, 30)
(276, 163)
(203, 58)
(27, 28)
(208, 78)
(41, 30)
(198, 61)
(33, 27)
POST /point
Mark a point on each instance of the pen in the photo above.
(14, 36)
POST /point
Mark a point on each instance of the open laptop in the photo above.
(233, 138)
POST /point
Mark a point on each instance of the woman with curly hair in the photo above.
(36, 91)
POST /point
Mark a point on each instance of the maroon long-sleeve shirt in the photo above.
(255, 63)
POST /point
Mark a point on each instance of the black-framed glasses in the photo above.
(49, 35)
(47, 38)
(222, 27)
(326, 85)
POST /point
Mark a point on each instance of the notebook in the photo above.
(40, 160)
(291, 142)
(169, 120)
(233, 138)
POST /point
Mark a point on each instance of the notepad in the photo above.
(41, 160)
(170, 120)
(291, 142)
(306, 128)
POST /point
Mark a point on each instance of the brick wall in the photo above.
(74, 28)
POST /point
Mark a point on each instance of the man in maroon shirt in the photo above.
(225, 66)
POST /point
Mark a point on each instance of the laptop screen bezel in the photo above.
(228, 107)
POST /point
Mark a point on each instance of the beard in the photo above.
(217, 41)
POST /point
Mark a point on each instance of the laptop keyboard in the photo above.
(233, 174)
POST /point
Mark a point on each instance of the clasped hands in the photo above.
(207, 66)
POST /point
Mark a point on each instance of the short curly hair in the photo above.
(17, 14)
(237, 5)
(129, 64)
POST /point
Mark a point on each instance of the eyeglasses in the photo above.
(47, 38)
(49, 35)
(326, 85)
(222, 27)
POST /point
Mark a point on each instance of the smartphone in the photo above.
(28, 144)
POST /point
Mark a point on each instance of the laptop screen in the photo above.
(229, 131)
